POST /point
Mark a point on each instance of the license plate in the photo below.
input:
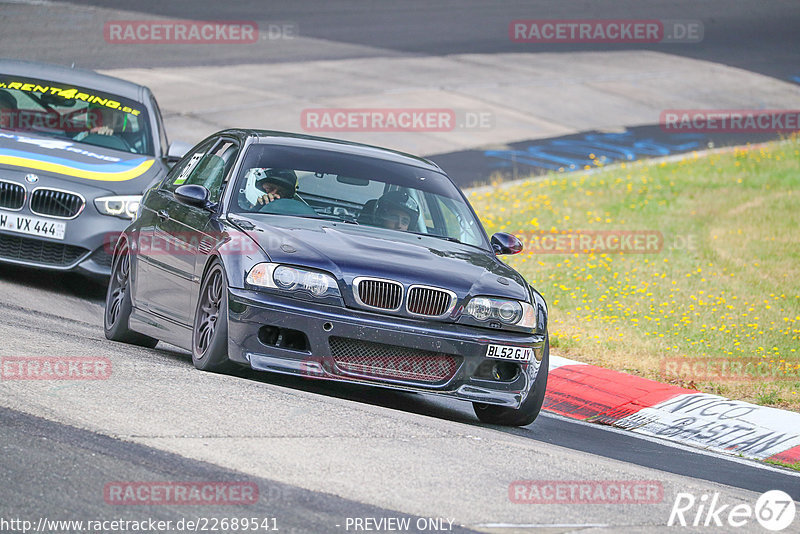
(507, 352)
(22, 224)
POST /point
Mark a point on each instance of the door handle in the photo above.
(163, 215)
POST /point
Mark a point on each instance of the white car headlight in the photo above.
(510, 312)
(124, 207)
(289, 278)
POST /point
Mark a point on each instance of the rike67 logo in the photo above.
(774, 510)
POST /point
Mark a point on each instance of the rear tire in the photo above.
(210, 330)
(118, 304)
(531, 406)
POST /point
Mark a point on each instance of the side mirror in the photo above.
(177, 149)
(504, 243)
(192, 195)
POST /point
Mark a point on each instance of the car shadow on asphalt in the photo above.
(409, 402)
(69, 284)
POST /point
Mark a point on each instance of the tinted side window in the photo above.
(210, 172)
(162, 132)
(183, 169)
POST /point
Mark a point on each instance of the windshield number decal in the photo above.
(189, 168)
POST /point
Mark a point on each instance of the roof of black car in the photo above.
(339, 145)
(81, 77)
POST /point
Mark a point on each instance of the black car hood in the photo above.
(348, 251)
(70, 161)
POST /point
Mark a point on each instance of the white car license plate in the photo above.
(22, 224)
(508, 352)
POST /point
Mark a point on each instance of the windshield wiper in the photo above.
(321, 216)
(448, 238)
(445, 237)
(329, 216)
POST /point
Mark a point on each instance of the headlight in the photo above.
(124, 207)
(509, 312)
(294, 279)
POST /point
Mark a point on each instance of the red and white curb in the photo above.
(590, 393)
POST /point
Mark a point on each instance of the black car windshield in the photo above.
(79, 114)
(357, 189)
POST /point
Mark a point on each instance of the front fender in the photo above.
(541, 309)
(237, 251)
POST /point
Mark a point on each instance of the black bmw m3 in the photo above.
(332, 260)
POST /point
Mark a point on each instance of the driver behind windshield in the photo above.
(103, 121)
(273, 184)
(396, 210)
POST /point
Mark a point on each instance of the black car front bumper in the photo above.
(48, 254)
(298, 337)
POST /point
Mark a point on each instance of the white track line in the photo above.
(543, 525)
(676, 445)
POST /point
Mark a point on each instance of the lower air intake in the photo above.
(364, 359)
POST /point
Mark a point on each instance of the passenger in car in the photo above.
(8, 107)
(7, 101)
(396, 210)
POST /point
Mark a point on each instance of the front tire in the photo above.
(210, 330)
(531, 406)
(118, 304)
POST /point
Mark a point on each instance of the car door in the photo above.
(159, 289)
(182, 233)
(208, 229)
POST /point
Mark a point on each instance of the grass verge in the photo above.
(715, 306)
(795, 465)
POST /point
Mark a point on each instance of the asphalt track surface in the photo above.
(536, 157)
(753, 35)
(58, 454)
(79, 459)
(757, 37)
(59, 467)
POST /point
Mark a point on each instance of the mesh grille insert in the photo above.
(369, 360)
